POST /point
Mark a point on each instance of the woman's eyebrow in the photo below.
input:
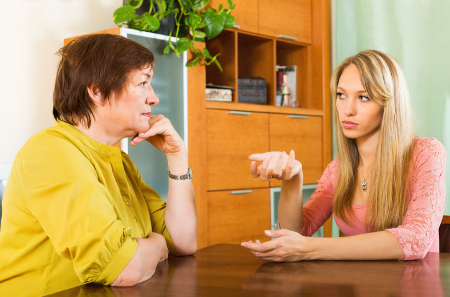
(361, 91)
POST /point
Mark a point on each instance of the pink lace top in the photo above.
(419, 232)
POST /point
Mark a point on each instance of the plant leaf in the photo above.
(229, 21)
(193, 20)
(149, 22)
(206, 54)
(186, 4)
(194, 62)
(123, 14)
(135, 3)
(199, 4)
(213, 59)
(218, 64)
(183, 44)
(162, 6)
(214, 23)
(231, 4)
(199, 34)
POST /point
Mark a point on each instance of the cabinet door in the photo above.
(234, 218)
(245, 13)
(303, 135)
(288, 18)
(231, 138)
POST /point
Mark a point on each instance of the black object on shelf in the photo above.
(252, 90)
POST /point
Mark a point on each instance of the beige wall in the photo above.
(31, 34)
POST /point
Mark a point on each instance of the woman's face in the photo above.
(130, 111)
(360, 117)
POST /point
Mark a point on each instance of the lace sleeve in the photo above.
(319, 206)
(426, 203)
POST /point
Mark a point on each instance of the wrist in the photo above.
(178, 162)
(313, 248)
(295, 181)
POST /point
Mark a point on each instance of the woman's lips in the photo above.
(348, 124)
(146, 114)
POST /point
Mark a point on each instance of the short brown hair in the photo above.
(100, 60)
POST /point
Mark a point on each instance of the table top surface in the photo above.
(231, 270)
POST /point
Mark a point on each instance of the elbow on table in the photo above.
(188, 249)
(419, 255)
(131, 278)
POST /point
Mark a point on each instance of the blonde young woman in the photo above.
(386, 188)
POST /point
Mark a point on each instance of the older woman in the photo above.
(76, 209)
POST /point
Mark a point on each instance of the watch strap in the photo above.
(188, 175)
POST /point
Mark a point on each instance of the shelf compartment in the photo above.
(256, 58)
(290, 54)
(226, 45)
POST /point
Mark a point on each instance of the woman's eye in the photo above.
(364, 98)
(143, 83)
(340, 95)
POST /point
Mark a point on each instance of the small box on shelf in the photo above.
(219, 93)
(252, 90)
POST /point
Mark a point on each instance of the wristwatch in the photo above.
(188, 175)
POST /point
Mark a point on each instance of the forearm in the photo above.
(290, 206)
(180, 215)
(370, 246)
(141, 266)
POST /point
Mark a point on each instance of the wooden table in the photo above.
(230, 270)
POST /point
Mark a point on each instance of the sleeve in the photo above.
(426, 205)
(319, 206)
(156, 205)
(76, 212)
(157, 208)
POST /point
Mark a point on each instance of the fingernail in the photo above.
(292, 151)
(243, 244)
(268, 232)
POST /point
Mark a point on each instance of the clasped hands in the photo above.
(286, 245)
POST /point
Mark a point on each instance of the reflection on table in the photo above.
(230, 270)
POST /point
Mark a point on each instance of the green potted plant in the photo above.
(193, 22)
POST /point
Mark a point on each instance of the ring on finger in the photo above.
(270, 178)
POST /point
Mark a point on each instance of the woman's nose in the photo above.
(350, 107)
(152, 99)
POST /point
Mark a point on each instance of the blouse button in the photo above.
(135, 219)
(128, 203)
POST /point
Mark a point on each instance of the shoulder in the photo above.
(329, 176)
(426, 148)
(332, 168)
(56, 152)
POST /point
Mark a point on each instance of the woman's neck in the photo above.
(367, 148)
(98, 133)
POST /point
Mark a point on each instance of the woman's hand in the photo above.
(275, 165)
(286, 246)
(161, 135)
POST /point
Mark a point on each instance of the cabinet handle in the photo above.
(287, 37)
(240, 112)
(236, 26)
(295, 116)
(240, 192)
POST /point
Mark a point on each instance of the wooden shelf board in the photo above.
(262, 108)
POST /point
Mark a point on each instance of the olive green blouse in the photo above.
(71, 209)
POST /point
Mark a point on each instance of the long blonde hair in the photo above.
(385, 83)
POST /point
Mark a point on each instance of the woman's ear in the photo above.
(96, 96)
